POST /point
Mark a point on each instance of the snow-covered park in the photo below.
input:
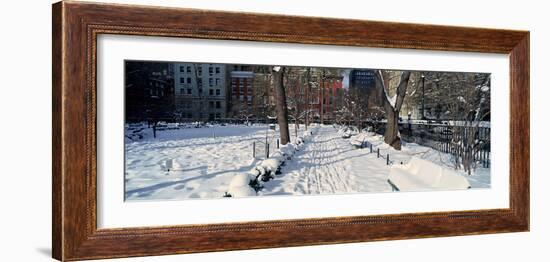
(207, 162)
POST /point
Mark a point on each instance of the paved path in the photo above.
(328, 164)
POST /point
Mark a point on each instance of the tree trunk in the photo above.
(298, 94)
(282, 114)
(296, 126)
(391, 136)
(308, 89)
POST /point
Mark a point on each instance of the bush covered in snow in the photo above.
(240, 186)
(265, 170)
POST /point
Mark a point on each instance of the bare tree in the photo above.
(264, 106)
(294, 94)
(392, 106)
(463, 100)
(282, 113)
(307, 79)
(471, 107)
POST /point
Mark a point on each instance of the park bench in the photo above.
(161, 126)
(348, 132)
(420, 175)
(172, 126)
(358, 141)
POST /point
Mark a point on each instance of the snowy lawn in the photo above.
(480, 178)
(203, 161)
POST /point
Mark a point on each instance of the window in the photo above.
(217, 81)
(200, 92)
(188, 69)
(217, 70)
(218, 104)
(199, 82)
(199, 70)
(218, 92)
(211, 104)
(189, 80)
(218, 115)
(210, 82)
(182, 69)
(182, 91)
(211, 92)
(182, 80)
(210, 70)
(189, 91)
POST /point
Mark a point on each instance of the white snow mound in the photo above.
(240, 180)
(288, 149)
(270, 164)
(242, 191)
(420, 174)
(239, 186)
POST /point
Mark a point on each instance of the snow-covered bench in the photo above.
(172, 126)
(419, 175)
(358, 141)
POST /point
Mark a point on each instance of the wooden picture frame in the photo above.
(76, 26)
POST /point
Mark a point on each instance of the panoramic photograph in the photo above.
(204, 130)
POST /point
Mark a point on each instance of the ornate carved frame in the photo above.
(76, 26)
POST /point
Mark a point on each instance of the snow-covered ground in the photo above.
(203, 161)
(206, 159)
(480, 178)
(330, 165)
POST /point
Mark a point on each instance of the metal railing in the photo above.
(461, 141)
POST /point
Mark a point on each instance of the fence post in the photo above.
(378, 153)
(267, 150)
(388, 159)
(277, 143)
(254, 149)
(370, 147)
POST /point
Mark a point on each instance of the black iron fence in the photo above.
(462, 141)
